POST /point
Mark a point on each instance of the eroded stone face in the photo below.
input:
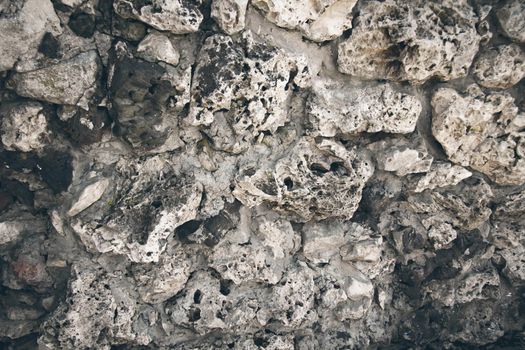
(481, 131)
(22, 25)
(501, 67)
(67, 82)
(217, 174)
(511, 19)
(178, 17)
(397, 40)
(313, 181)
(333, 110)
(318, 21)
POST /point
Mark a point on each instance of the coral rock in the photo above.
(412, 41)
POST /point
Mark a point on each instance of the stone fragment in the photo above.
(264, 259)
(90, 309)
(23, 24)
(15, 225)
(241, 90)
(64, 83)
(318, 21)
(404, 161)
(512, 19)
(88, 196)
(442, 174)
(323, 240)
(139, 213)
(334, 109)
(401, 157)
(146, 98)
(481, 131)
(470, 288)
(175, 16)
(230, 15)
(157, 47)
(165, 279)
(312, 181)
(500, 67)
(414, 41)
(24, 127)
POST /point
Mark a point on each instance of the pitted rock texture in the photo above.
(234, 174)
(415, 41)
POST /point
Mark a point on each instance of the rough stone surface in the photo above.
(481, 131)
(24, 127)
(233, 174)
(414, 41)
(230, 15)
(63, 83)
(176, 16)
(22, 25)
(318, 21)
(511, 18)
(347, 110)
(157, 47)
(500, 68)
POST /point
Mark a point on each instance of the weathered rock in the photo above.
(412, 41)
(89, 195)
(157, 47)
(263, 259)
(24, 127)
(318, 21)
(15, 225)
(501, 67)
(512, 19)
(244, 85)
(334, 109)
(313, 181)
(481, 131)
(164, 280)
(442, 174)
(68, 82)
(146, 98)
(23, 24)
(177, 16)
(401, 157)
(230, 15)
(137, 223)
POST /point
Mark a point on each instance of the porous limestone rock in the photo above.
(88, 196)
(511, 17)
(401, 157)
(165, 279)
(414, 41)
(230, 15)
(261, 256)
(146, 98)
(500, 67)
(24, 127)
(470, 288)
(318, 21)
(23, 24)
(14, 226)
(312, 181)
(243, 87)
(442, 174)
(66, 82)
(334, 109)
(481, 131)
(198, 175)
(135, 223)
(175, 16)
(157, 47)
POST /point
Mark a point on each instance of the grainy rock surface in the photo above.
(234, 174)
